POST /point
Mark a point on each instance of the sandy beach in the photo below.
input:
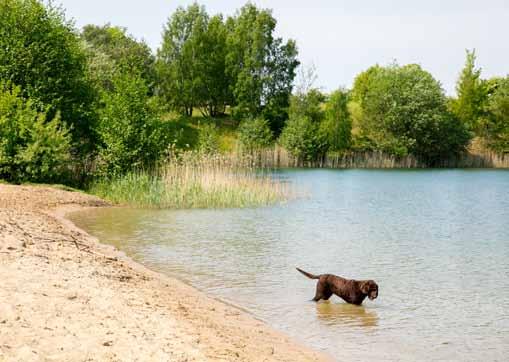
(66, 297)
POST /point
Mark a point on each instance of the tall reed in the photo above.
(195, 180)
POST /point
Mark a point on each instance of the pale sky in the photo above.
(344, 37)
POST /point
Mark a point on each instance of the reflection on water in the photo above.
(435, 241)
(347, 315)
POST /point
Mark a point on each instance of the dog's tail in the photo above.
(309, 275)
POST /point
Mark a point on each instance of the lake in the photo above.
(435, 241)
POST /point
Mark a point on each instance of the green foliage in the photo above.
(31, 148)
(261, 67)
(255, 134)
(208, 139)
(40, 52)
(301, 137)
(215, 94)
(496, 122)
(363, 81)
(182, 57)
(111, 49)
(472, 94)
(130, 130)
(336, 127)
(404, 111)
(308, 104)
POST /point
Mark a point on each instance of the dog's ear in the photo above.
(365, 286)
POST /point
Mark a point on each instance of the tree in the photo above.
(302, 139)
(301, 135)
(496, 121)
(261, 67)
(41, 53)
(472, 95)
(255, 134)
(32, 148)
(130, 130)
(404, 111)
(181, 57)
(112, 43)
(308, 104)
(336, 128)
(215, 94)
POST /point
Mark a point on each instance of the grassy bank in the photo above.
(194, 180)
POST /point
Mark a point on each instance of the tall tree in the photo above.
(181, 56)
(471, 94)
(112, 43)
(496, 121)
(42, 54)
(215, 95)
(336, 127)
(262, 68)
(404, 111)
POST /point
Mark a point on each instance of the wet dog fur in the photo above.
(351, 291)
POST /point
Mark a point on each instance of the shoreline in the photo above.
(66, 296)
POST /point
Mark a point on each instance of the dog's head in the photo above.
(370, 288)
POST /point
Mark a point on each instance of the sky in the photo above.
(341, 38)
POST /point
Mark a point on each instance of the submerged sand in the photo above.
(66, 297)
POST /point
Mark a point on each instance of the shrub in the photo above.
(31, 148)
(41, 53)
(336, 128)
(255, 134)
(404, 107)
(129, 128)
(302, 139)
(208, 138)
(496, 123)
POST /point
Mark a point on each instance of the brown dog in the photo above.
(351, 291)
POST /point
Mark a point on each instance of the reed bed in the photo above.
(278, 157)
(195, 180)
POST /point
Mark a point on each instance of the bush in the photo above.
(31, 148)
(302, 139)
(496, 123)
(404, 111)
(129, 128)
(336, 128)
(255, 134)
(41, 53)
(208, 138)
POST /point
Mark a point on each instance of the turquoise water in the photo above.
(435, 241)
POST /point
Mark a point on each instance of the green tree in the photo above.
(404, 111)
(181, 57)
(31, 147)
(255, 134)
(302, 139)
(208, 138)
(215, 94)
(472, 95)
(496, 121)
(130, 130)
(336, 128)
(113, 46)
(308, 104)
(301, 135)
(41, 52)
(261, 67)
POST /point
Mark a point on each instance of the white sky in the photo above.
(344, 37)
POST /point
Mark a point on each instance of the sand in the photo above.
(66, 297)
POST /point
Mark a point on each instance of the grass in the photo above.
(194, 180)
